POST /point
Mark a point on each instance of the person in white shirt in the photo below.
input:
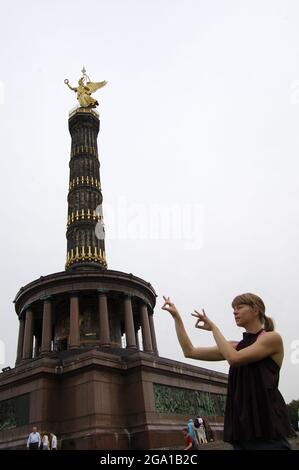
(53, 441)
(34, 439)
(200, 430)
(45, 441)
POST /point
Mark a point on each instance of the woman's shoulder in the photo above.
(272, 340)
(269, 336)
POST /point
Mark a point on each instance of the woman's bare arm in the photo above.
(268, 345)
(202, 353)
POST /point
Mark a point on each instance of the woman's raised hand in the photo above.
(170, 307)
(203, 322)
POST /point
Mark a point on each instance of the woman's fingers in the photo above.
(198, 314)
(168, 305)
(201, 327)
(201, 322)
(203, 313)
(167, 300)
(165, 306)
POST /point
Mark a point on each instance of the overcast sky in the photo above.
(199, 122)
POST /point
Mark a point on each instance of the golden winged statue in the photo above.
(84, 90)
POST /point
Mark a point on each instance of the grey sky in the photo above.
(201, 111)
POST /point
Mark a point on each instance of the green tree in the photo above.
(293, 407)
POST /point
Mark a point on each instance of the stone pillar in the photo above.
(137, 339)
(28, 335)
(20, 340)
(153, 333)
(145, 329)
(74, 338)
(104, 320)
(47, 326)
(129, 323)
(36, 348)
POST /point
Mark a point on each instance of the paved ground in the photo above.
(220, 445)
(295, 443)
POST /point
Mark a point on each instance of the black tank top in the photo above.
(255, 409)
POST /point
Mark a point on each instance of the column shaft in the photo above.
(20, 340)
(145, 328)
(153, 333)
(104, 321)
(28, 335)
(129, 324)
(137, 340)
(74, 338)
(36, 349)
(47, 327)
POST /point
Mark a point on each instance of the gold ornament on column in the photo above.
(84, 90)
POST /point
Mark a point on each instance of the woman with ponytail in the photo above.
(256, 416)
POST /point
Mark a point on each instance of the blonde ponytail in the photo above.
(268, 323)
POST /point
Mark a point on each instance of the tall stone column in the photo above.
(104, 328)
(129, 323)
(85, 216)
(145, 328)
(137, 339)
(153, 333)
(47, 326)
(20, 340)
(28, 335)
(74, 338)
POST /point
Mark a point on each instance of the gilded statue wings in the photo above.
(93, 86)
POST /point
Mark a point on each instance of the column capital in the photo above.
(47, 298)
(26, 307)
(103, 291)
(127, 295)
(74, 293)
